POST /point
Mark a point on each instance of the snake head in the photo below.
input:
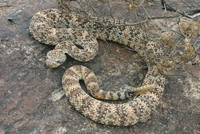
(55, 58)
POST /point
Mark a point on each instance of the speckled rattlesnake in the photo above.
(64, 30)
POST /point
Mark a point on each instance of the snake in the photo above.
(77, 37)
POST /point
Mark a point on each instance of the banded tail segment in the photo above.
(85, 74)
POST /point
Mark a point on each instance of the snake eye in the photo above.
(79, 46)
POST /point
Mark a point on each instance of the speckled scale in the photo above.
(53, 27)
(64, 31)
(135, 110)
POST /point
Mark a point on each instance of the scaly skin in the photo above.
(136, 110)
(64, 31)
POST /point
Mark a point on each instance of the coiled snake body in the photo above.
(64, 30)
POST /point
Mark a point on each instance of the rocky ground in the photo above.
(26, 83)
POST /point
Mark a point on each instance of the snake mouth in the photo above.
(52, 64)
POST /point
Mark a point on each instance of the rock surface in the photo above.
(26, 83)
